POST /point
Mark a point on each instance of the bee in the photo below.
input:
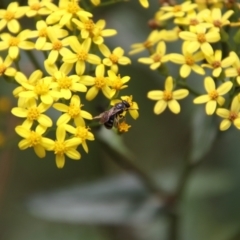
(112, 116)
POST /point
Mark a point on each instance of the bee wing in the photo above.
(104, 116)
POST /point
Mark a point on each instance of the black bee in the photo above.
(112, 116)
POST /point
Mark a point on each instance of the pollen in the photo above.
(216, 64)
(123, 127)
(59, 148)
(42, 32)
(33, 114)
(35, 6)
(82, 132)
(13, 41)
(41, 88)
(213, 95)
(65, 82)
(201, 37)
(113, 58)
(82, 55)
(57, 45)
(9, 15)
(189, 60)
(100, 82)
(89, 25)
(2, 69)
(34, 139)
(74, 111)
(232, 116)
(167, 95)
(73, 7)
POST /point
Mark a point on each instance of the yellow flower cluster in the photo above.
(73, 48)
(205, 29)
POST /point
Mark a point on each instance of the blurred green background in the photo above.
(96, 199)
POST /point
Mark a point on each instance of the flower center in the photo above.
(177, 8)
(217, 23)
(13, 41)
(213, 95)
(167, 95)
(216, 64)
(41, 88)
(82, 55)
(100, 82)
(238, 71)
(35, 6)
(147, 44)
(117, 83)
(73, 7)
(42, 32)
(57, 45)
(189, 60)
(194, 22)
(201, 37)
(64, 82)
(59, 148)
(113, 58)
(33, 114)
(34, 139)
(157, 58)
(123, 127)
(232, 116)
(2, 69)
(82, 132)
(9, 15)
(89, 25)
(74, 111)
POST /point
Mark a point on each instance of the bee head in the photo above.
(126, 104)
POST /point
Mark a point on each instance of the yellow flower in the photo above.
(92, 30)
(193, 19)
(81, 132)
(62, 147)
(13, 43)
(188, 61)
(113, 58)
(34, 139)
(116, 82)
(72, 111)
(168, 97)
(81, 55)
(66, 11)
(43, 90)
(96, 2)
(153, 38)
(216, 63)
(157, 58)
(214, 95)
(217, 19)
(200, 39)
(169, 35)
(144, 3)
(44, 32)
(177, 10)
(9, 17)
(123, 127)
(5, 68)
(99, 82)
(235, 70)
(230, 116)
(67, 84)
(36, 8)
(33, 113)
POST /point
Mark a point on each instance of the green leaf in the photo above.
(236, 37)
(204, 132)
(224, 35)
